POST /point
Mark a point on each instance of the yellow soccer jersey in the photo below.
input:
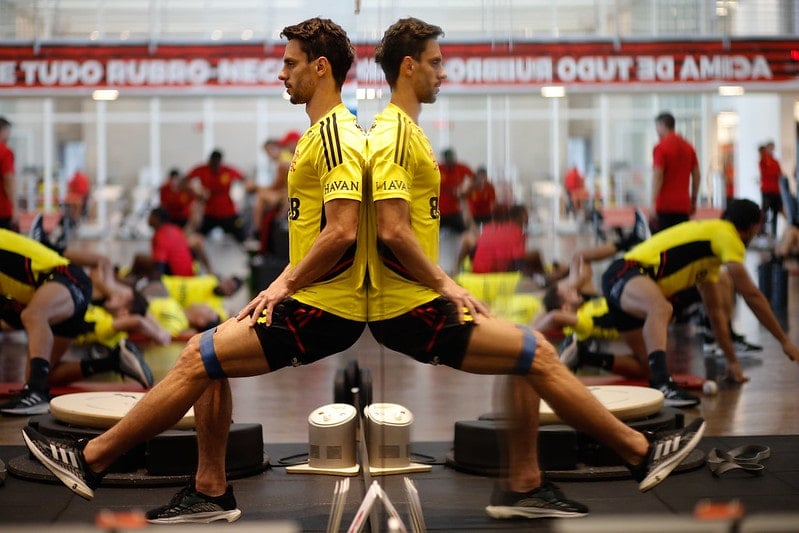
(169, 314)
(328, 165)
(24, 265)
(402, 165)
(689, 253)
(190, 290)
(98, 327)
(594, 321)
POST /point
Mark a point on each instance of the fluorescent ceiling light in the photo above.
(105, 95)
(553, 91)
(731, 90)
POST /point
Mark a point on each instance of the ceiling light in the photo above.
(553, 91)
(105, 95)
(731, 90)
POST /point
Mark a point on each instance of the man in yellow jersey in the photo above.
(47, 296)
(416, 309)
(638, 285)
(315, 308)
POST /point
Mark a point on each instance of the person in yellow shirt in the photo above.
(638, 286)
(45, 294)
(315, 308)
(415, 308)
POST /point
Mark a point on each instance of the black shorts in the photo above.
(80, 289)
(233, 225)
(454, 222)
(430, 333)
(613, 281)
(301, 334)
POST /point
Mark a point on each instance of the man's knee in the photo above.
(190, 360)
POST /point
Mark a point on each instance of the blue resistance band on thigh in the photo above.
(529, 345)
(208, 355)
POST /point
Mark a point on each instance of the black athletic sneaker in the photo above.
(190, 506)
(36, 231)
(572, 352)
(546, 501)
(64, 458)
(667, 450)
(27, 402)
(675, 396)
(641, 229)
(743, 346)
(132, 363)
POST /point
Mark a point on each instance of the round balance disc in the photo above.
(102, 409)
(625, 402)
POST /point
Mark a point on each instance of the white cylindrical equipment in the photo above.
(331, 436)
(388, 435)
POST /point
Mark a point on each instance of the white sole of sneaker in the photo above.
(502, 512)
(78, 488)
(28, 411)
(199, 518)
(655, 478)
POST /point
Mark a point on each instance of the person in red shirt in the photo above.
(502, 247)
(675, 175)
(575, 189)
(177, 198)
(216, 179)
(482, 197)
(770, 173)
(170, 251)
(78, 188)
(8, 188)
(456, 181)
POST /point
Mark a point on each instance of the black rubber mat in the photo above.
(451, 500)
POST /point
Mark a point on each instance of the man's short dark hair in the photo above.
(4, 123)
(139, 304)
(667, 119)
(406, 37)
(552, 299)
(320, 37)
(743, 214)
(160, 214)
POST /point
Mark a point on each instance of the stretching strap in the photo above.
(208, 355)
(529, 345)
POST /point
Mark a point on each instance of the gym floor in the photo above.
(439, 396)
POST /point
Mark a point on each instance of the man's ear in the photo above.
(408, 65)
(321, 65)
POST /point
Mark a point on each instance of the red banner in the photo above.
(487, 67)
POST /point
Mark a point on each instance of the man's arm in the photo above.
(394, 230)
(696, 178)
(10, 189)
(761, 308)
(719, 323)
(555, 319)
(657, 183)
(143, 325)
(340, 232)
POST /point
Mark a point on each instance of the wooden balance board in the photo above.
(102, 410)
(625, 402)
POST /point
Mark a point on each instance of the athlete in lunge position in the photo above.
(328, 167)
(315, 308)
(416, 308)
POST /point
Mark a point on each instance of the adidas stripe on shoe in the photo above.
(667, 450)
(65, 460)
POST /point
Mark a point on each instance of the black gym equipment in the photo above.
(169, 458)
(349, 378)
(564, 453)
